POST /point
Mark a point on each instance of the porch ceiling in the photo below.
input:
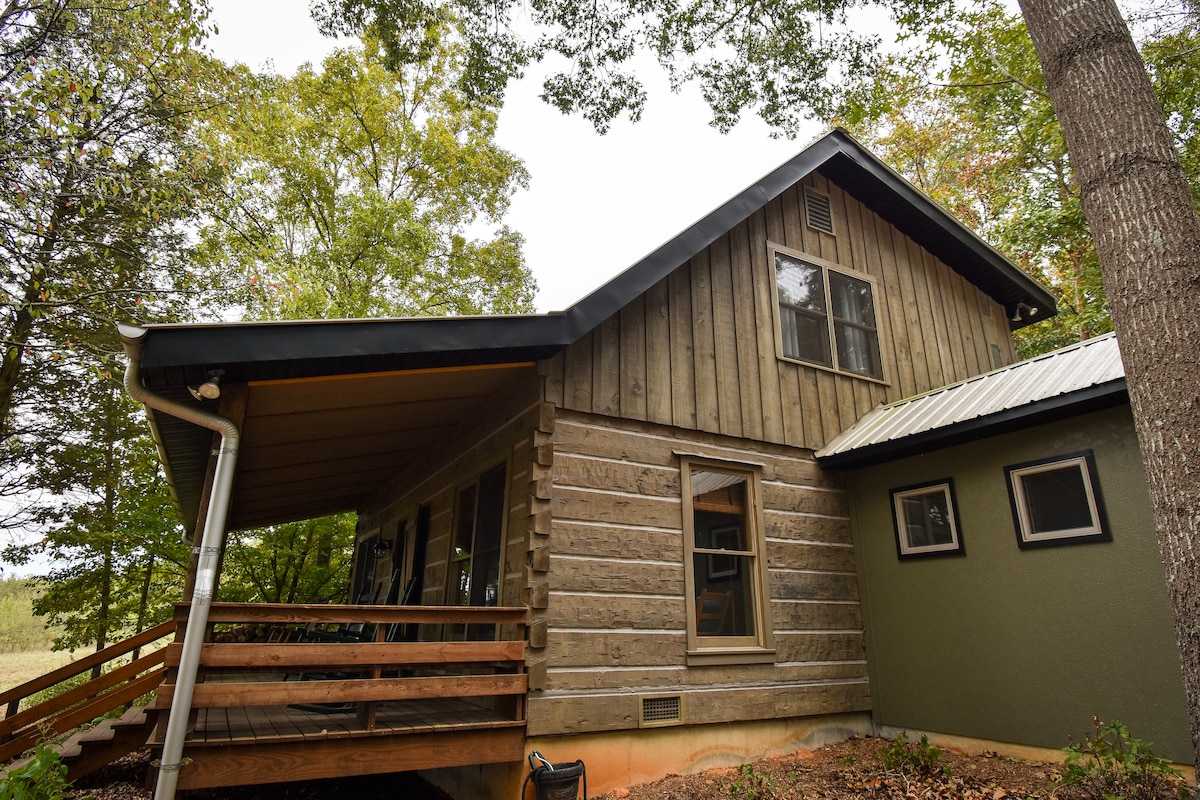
(317, 446)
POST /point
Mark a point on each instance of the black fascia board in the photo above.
(840, 157)
(1052, 409)
(182, 355)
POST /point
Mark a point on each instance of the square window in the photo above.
(1057, 501)
(926, 520)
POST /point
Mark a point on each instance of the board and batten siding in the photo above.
(698, 349)
(615, 615)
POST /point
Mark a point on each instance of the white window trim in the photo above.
(826, 267)
(727, 649)
(1026, 536)
(906, 550)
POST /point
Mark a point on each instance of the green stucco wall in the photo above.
(1015, 645)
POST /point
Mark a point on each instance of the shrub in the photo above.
(904, 756)
(43, 778)
(1112, 765)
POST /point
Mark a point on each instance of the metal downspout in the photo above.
(206, 563)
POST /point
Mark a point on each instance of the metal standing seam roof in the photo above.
(1088, 374)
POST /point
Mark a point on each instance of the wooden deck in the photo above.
(302, 709)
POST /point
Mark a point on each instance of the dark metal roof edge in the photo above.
(929, 208)
(608, 299)
(618, 292)
(170, 346)
(1092, 398)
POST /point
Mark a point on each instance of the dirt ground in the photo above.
(849, 770)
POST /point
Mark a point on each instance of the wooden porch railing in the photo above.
(362, 672)
(20, 730)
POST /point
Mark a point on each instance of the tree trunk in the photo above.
(1147, 232)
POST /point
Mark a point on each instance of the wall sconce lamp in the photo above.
(1030, 311)
(382, 548)
(211, 388)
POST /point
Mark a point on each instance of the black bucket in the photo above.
(555, 781)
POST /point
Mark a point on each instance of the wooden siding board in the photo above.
(746, 326)
(659, 378)
(774, 418)
(582, 472)
(582, 504)
(588, 713)
(617, 612)
(663, 678)
(704, 345)
(892, 244)
(633, 359)
(791, 399)
(962, 356)
(577, 389)
(943, 322)
(811, 528)
(606, 381)
(728, 377)
(927, 326)
(683, 363)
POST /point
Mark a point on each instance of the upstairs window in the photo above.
(827, 316)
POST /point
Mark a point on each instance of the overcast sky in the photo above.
(596, 204)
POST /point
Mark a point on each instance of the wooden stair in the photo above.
(86, 751)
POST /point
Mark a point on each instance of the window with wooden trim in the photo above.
(477, 544)
(926, 520)
(826, 316)
(1057, 501)
(726, 579)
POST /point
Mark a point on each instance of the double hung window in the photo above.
(826, 316)
(726, 569)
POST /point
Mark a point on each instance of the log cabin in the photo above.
(661, 497)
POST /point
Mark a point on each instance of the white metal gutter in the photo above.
(207, 557)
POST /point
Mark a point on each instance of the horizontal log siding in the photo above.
(697, 350)
(616, 611)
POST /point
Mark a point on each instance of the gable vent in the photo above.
(818, 212)
(658, 711)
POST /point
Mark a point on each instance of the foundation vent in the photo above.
(818, 211)
(659, 711)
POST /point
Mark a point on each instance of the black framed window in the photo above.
(1057, 501)
(926, 520)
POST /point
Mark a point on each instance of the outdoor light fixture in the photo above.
(211, 388)
(1030, 311)
(381, 548)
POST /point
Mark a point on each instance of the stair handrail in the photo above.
(11, 698)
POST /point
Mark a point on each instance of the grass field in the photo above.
(16, 668)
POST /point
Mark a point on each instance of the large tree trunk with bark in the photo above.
(1147, 232)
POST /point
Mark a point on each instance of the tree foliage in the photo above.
(357, 192)
(101, 167)
(108, 533)
(980, 136)
(297, 562)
